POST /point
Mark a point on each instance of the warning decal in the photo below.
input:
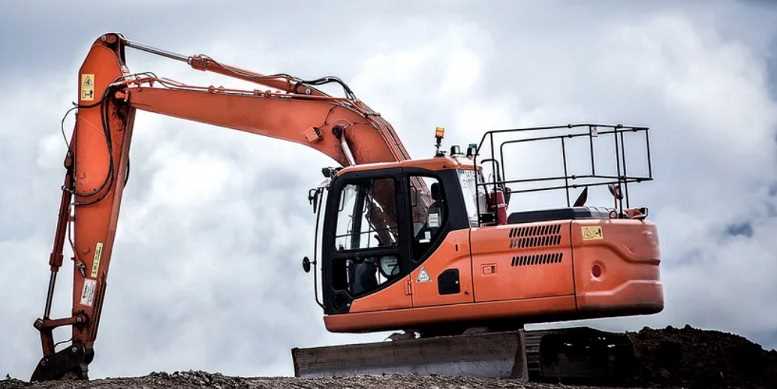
(592, 233)
(423, 276)
(98, 253)
(87, 87)
(87, 294)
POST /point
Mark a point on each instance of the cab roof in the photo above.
(434, 164)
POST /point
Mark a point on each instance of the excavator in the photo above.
(425, 246)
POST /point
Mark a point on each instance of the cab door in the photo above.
(439, 244)
(365, 246)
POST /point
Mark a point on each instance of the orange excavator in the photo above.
(425, 246)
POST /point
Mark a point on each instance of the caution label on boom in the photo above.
(98, 253)
(87, 87)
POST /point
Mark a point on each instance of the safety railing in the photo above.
(496, 144)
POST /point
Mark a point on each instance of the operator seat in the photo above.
(363, 277)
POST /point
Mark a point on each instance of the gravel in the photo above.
(199, 379)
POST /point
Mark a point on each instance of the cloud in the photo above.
(206, 267)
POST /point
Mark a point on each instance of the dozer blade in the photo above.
(496, 354)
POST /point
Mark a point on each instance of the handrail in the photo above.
(492, 151)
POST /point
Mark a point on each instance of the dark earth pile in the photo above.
(670, 357)
(696, 358)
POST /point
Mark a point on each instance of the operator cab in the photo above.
(381, 221)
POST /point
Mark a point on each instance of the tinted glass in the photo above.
(367, 216)
(429, 213)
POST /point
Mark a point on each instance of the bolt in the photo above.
(74, 349)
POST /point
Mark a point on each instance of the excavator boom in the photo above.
(290, 109)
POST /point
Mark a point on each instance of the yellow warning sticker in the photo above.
(87, 87)
(592, 233)
(98, 253)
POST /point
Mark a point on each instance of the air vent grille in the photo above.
(538, 259)
(535, 236)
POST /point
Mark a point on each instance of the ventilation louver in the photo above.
(535, 236)
(538, 259)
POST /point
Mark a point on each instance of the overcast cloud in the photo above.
(206, 267)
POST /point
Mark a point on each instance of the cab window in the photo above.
(368, 273)
(367, 236)
(471, 192)
(367, 216)
(429, 214)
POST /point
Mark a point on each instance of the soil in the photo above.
(670, 358)
(694, 358)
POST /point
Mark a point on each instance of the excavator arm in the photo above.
(97, 161)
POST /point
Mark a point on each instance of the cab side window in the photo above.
(429, 214)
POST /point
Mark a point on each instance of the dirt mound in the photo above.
(696, 358)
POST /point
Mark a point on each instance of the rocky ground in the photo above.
(669, 358)
(196, 379)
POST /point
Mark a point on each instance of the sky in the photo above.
(206, 267)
